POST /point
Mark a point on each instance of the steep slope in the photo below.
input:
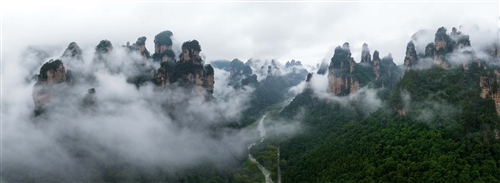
(444, 135)
(438, 123)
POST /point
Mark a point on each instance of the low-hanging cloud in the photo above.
(365, 97)
(127, 125)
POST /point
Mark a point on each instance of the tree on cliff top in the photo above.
(104, 46)
(163, 38)
(192, 45)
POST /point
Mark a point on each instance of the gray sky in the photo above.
(306, 31)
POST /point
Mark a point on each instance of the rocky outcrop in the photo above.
(494, 50)
(51, 74)
(365, 55)
(73, 51)
(209, 80)
(72, 56)
(188, 71)
(140, 47)
(101, 50)
(322, 69)
(240, 74)
(236, 69)
(345, 76)
(443, 45)
(308, 78)
(292, 63)
(143, 70)
(459, 40)
(389, 73)
(443, 42)
(490, 88)
(163, 47)
(376, 65)
(190, 67)
(166, 74)
(295, 72)
(273, 71)
(430, 51)
(339, 72)
(411, 57)
(89, 101)
(162, 42)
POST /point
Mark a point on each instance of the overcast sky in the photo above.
(305, 31)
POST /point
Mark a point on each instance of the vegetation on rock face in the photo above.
(51, 66)
(192, 45)
(74, 51)
(432, 126)
(164, 38)
(103, 47)
(447, 133)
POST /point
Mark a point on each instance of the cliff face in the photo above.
(494, 50)
(443, 44)
(166, 74)
(52, 73)
(89, 101)
(345, 76)
(162, 42)
(191, 65)
(411, 57)
(365, 55)
(490, 88)
(430, 51)
(101, 51)
(339, 72)
(140, 46)
(73, 51)
(236, 69)
(389, 73)
(293, 63)
(240, 74)
(188, 71)
(376, 64)
(296, 72)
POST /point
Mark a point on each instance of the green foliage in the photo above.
(51, 65)
(249, 173)
(457, 89)
(163, 38)
(268, 92)
(252, 79)
(389, 148)
(301, 101)
(103, 46)
(363, 74)
(209, 70)
(143, 75)
(191, 45)
(446, 134)
(340, 61)
(184, 68)
(247, 70)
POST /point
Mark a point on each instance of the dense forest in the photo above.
(374, 121)
(446, 136)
